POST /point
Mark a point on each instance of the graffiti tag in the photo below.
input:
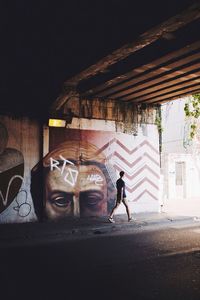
(96, 178)
(23, 209)
(5, 199)
(69, 175)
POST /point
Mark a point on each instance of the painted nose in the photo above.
(76, 206)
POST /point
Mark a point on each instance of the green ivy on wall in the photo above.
(158, 120)
(158, 123)
(192, 111)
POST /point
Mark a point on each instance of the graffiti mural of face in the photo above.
(75, 190)
(75, 181)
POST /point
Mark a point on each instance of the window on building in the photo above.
(179, 169)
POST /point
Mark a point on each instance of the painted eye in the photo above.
(62, 199)
(91, 198)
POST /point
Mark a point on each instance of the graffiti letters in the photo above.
(5, 199)
(69, 174)
(23, 208)
(96, 178)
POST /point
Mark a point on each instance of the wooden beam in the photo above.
(167, 84)
(162, 84)
(176, 98)
(113, 84)
(126, 87)
(63, 98)
(169, 89)
(175, 94)
(180, 72)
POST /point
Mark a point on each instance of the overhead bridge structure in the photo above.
(162, 64)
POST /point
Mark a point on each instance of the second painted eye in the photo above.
(61, 199)
(91, 198)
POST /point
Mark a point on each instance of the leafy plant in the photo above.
(158, 122)
(192, 111)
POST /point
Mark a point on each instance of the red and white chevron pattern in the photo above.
(139, 159)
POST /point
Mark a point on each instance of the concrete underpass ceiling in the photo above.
(54, 44)
(160, 65)
(160, 72)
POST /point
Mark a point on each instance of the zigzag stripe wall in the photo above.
(139, 159)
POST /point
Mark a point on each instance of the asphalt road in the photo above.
(143, 264)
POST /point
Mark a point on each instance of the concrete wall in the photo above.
(19, 152)
(76, 174)
(106, 152)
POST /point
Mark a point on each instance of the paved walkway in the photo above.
(33, 233)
